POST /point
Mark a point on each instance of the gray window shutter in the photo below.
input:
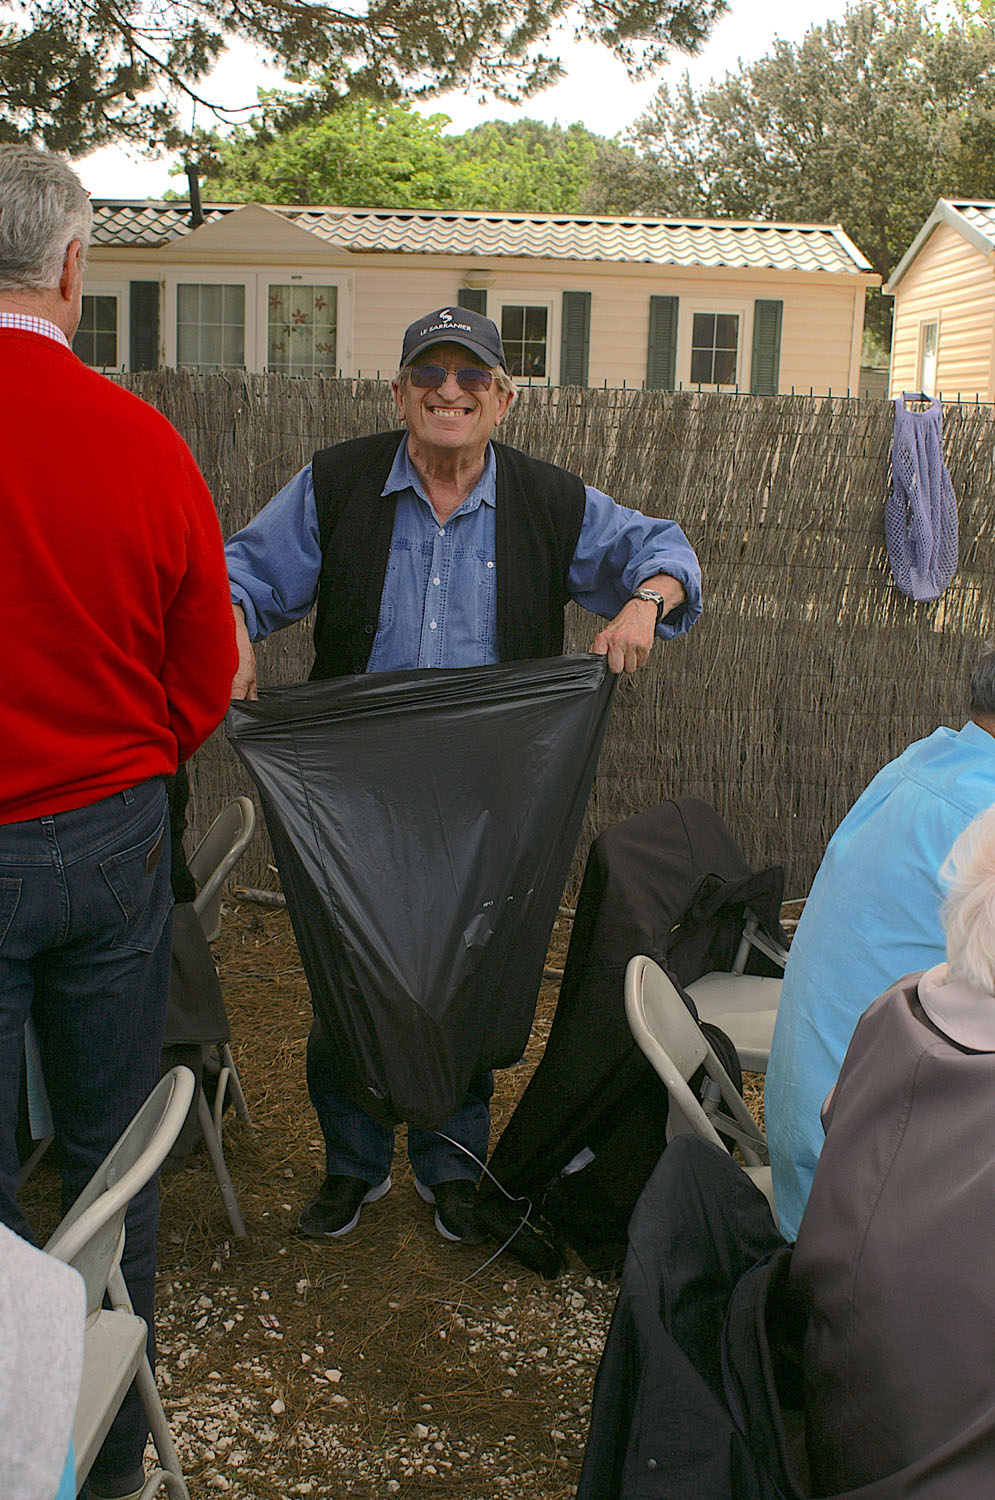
(473, 298)
(661, 363)
(765, 372)
(144, 329)
(575, 340)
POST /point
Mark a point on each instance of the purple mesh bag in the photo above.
(920, 516)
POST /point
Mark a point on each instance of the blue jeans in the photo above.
(356, 1145)
(85, 905)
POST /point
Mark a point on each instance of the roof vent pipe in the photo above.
(196, 212)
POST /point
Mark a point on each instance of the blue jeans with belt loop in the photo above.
(85, 919)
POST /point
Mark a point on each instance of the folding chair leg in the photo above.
(216, 1154)
(33, 1160)
(234, 1083)
(176, 1486)
(169, 1471)
(221, 1089)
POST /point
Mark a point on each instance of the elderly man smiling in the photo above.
(439, 547)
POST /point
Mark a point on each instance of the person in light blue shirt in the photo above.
(440, 548)
(872, 916)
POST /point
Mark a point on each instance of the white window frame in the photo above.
(685, 326)
(257, 283)
(209, 276)
(122, 292)
(921, 383)
(552, 302)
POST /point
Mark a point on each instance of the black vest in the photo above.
(539, 510)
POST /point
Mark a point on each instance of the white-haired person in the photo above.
(896, 1247)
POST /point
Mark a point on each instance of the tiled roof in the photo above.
(682, 242)
(980, 213)
(145, 225)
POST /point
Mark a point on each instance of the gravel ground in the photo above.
(256, 1412)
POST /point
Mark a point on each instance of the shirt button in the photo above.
(437, 581)
(651, 1463)
(368, 629)
(490, 565)
(442, 531)
(432, 625)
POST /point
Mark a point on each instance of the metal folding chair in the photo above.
(210, 865)
(215, 857)
(673, 1042)
(197, 1028)
(91, 1238)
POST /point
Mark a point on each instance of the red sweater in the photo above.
(117, 645)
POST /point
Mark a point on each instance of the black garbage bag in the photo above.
(423, 824)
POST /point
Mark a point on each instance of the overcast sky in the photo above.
(597, 91)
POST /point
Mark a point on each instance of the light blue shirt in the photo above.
(872, 916)
(67, 1484)
(439, 602)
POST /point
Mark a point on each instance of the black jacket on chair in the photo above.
(672, 883)
(663, 1426)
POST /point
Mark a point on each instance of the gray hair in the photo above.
(983, 684)
(968, 913)
(502, 380)
(43, 208)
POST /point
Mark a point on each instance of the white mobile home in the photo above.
(668, 303)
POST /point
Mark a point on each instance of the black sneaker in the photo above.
(455, 1210)
(335, 1208)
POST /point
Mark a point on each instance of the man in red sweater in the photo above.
(118, 653)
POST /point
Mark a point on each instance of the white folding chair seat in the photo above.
(91, 1238)
(672, 1041)
(113, 1348)
(742, 1005)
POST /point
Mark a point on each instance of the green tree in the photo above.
(389, 156)
(866, 122)
(361, 154)
(527, 165)
(77, 73)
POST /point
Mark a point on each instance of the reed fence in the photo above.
(808, 670)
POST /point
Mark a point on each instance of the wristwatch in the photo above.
(652, 597)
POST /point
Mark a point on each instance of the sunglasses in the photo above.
(428, 377)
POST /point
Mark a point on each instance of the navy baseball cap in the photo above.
(454, 325)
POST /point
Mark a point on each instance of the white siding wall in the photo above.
(817, 337)
(388, 298)
(821, 338)
(819, 344)
(949, 282)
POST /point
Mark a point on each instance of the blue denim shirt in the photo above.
(439, 605)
